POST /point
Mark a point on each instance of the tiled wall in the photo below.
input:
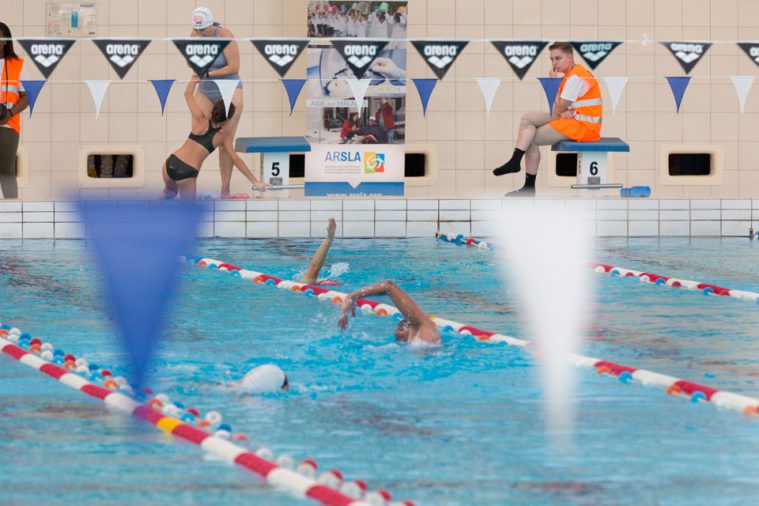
(469, 142)
(413, 217)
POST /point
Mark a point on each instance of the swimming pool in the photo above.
(458, 425)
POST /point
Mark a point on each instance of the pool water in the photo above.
(458, 425)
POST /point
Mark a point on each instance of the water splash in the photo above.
(544, 258)
(338, 269)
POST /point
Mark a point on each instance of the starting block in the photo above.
(276, 157)
(592, 161)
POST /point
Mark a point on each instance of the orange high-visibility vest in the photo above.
(9, 89)
(586, 125)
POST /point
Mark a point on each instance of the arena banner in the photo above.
(440, 54)
(594, 51)
(200, 53)
(751, 49)
(688, 54)
(280, 53)
(46, 53)
(121, 53)
(519, 54)
(356, 98)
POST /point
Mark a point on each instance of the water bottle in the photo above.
(635, 192)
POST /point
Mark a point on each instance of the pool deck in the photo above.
(398, 218)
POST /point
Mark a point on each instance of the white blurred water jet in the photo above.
(544, 257)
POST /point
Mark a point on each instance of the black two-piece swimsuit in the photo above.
(176, 169)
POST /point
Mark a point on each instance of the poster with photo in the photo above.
(336, 19)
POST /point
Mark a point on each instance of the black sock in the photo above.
(512, 166)
(529, 180)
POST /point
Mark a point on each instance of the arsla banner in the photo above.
(594, 52)
(280, 53)
(440, 55)
(359, 54)
(688, 54)
(200, 53)
(751, 49)
(519, 54)
(46, 53)
(121, 53)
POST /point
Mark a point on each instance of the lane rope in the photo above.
(695, 392)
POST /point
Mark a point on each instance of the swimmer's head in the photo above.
(219, 112)
(202, 18)
(404, 331)
(264, 379)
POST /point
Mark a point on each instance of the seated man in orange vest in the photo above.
(576, 116)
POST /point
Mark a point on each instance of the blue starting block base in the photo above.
(592, 161)
(276, 158)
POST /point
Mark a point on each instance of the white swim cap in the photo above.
(202, 18)
(264, 378)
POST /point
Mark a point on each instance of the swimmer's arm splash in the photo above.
(410, 310)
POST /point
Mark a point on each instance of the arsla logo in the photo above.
(281, 54)
(47, 55)
(595, 51)
(687, 52)
(520, 56)
(359, 56)
(440, 56)
(374, 162)
(201, 54)
(342, 156)
(122, 54)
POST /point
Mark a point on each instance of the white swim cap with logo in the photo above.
(202, 18)
(262, 379)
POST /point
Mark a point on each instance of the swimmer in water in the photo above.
(317, 261)
(416, 326)
(267, 378)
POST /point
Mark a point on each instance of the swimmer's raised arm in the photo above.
(406, 305)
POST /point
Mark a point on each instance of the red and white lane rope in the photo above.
(645, 277)
(673, 386)
(328, 488)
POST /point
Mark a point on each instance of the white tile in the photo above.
(358, 205)
(736, 214)
(736, 204)
(390, 216)
(455, 204)
(421, 228)
(608, 214)
(611, 229)
(643, 228)
(39, 231)
(229, 205)
(681, 215)
(705, 204)
(294, 216)
(65, 207)
(358, 229)
(517, 204)
(326, 205)
(229, 229)
(319, 229)
(755, 204)
(582, 204)
(10, 207)
(457, 227)
(488, 215)
(390, 229)
(485, 228)
(735, 228)
(642, 204)
(295, 229)
(422, 204)
(261, 229)
(33, 217)
(223, 216)
(754, 214)
(674, 204)
(674, 228)
(615, 204)
(366, 215)
(422, 215)
(11, 217)
(390, 205)
(37, 206)
(705, 228)
(69, 231)
(10, 230)
(482, 205)
(549, 204)
(705, 215)
(642, 215)
(262, 215)
(585, 214)
(294, 205)
(323, 216)
(448, 215)
(205, 230)
(262, 205)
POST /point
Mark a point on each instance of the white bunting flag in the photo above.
(227, 88)
(615, 86)
(97, 90)
(359, 87)
(742, 86)
(489, 87)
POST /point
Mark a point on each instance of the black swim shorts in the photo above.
(177, 170)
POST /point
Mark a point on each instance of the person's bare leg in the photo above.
(528, 126)
(225, 159)
(317, 261)
(188, 188)
(532, 159)
(170, 189)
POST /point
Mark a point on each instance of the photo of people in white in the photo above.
(377, 20)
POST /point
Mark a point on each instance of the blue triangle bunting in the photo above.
(32, 89)
(136, 246)
(678, 86)
(425, 87)
(551, 88)
(162, 88)
(293, 87)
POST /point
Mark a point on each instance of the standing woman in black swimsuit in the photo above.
(180, 171)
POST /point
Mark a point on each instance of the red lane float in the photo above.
(672, 385)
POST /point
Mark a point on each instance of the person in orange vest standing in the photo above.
(576, 116)
(13, 100)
